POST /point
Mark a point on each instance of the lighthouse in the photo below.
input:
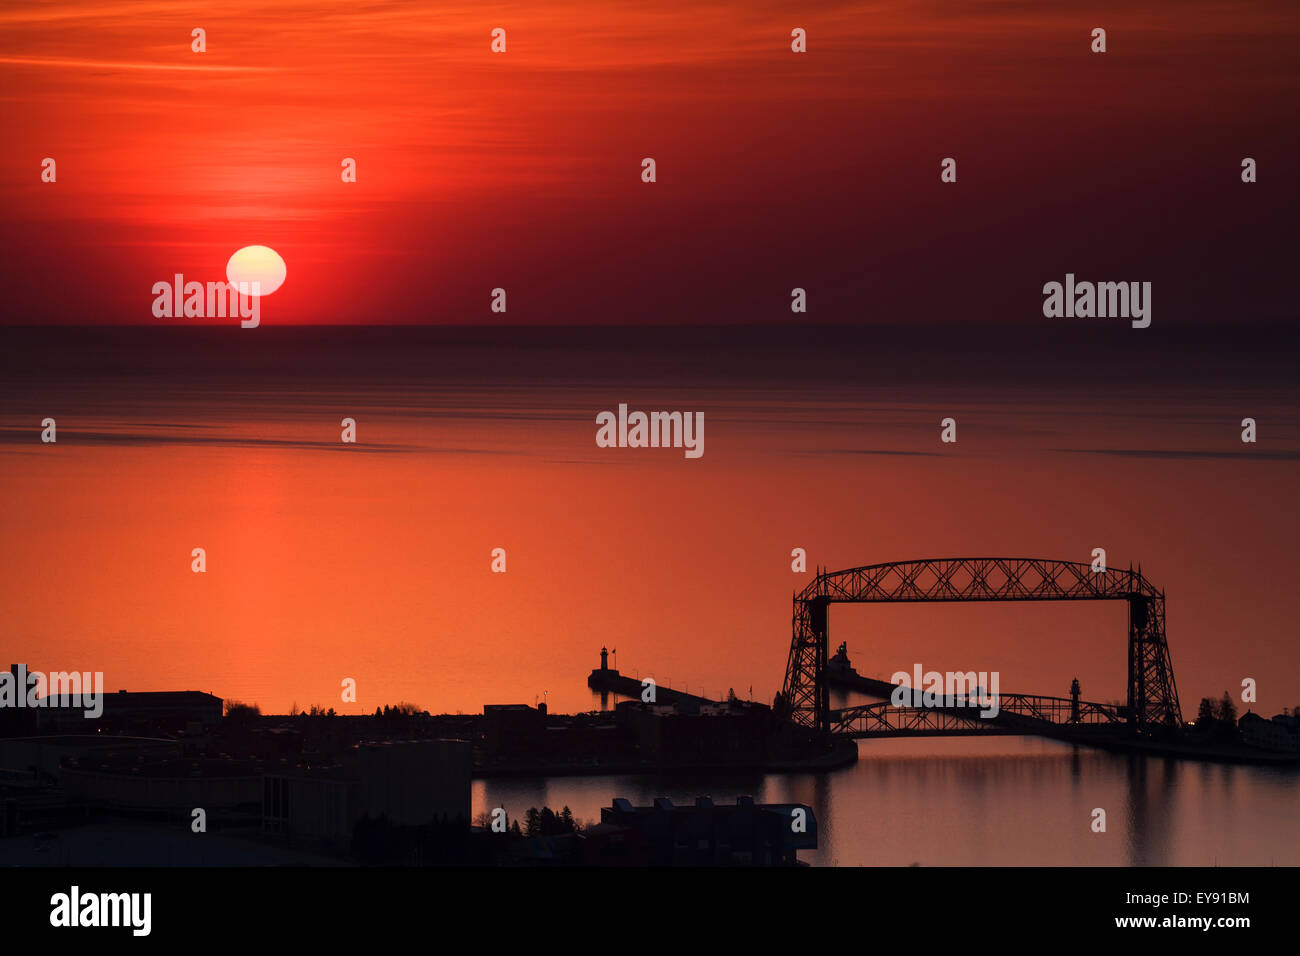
(606, 678)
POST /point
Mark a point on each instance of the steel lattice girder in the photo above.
(1153, 695)
(1017, 714)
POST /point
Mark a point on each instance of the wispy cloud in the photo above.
(14, 436)
(80, 63)
(1187, 454)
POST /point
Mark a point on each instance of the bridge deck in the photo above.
(1022, 714)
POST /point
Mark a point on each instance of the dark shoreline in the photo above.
(843, 754)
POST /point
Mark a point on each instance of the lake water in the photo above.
(988, 801)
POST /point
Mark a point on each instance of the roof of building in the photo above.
(162, 697)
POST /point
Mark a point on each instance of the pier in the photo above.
(606, 678)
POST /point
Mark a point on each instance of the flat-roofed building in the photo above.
(170, 710)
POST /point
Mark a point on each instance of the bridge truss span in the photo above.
(977, 579)
(1017, 714)
(1152, 693)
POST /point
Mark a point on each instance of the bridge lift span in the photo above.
(1152, 694)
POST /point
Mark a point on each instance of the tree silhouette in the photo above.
(237, 712)
(1227, 709)
(546, 822)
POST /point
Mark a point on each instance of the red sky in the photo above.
(521, 170)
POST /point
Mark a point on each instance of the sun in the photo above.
(260, 264)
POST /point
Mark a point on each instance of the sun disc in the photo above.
(260, 264)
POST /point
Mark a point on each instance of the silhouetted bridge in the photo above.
(1017, 714)
(1152, 694)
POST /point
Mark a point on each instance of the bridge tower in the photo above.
(1152, 695)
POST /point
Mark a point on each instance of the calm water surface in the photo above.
(999, 802)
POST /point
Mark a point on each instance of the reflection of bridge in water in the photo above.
(1152, 695)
